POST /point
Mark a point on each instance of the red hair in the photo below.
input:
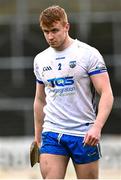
(53, 14)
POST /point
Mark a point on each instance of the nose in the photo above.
(50, 35)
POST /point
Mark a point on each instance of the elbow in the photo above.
(36, 105)
(111, 98)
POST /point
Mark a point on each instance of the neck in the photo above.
(67, 42)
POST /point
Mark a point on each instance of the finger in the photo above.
(87, 139)
(94, 141)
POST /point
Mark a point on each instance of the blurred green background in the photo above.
(95, 22)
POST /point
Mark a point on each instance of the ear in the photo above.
(67, 26)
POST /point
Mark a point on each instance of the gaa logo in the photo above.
(47, 68)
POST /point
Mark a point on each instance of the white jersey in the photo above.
(70, 96)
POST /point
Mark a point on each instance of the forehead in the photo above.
(54, 25)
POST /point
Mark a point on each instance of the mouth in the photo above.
(52, 43)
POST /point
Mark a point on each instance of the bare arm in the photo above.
(39, 103)
(102, 85)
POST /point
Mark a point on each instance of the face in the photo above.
(56, 34)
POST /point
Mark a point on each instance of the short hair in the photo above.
(53, 14)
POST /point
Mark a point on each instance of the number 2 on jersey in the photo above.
(59, 66)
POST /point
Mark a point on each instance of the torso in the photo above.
(70, 100)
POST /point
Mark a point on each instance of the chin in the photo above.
(54, 46)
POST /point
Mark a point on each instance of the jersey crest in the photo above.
(72, 64)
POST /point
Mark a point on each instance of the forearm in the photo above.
(38, 119)
(104, 109)
(92, 137)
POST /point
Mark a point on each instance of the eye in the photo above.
(55, 30)
(45, 31)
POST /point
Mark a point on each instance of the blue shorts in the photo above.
(71, 146)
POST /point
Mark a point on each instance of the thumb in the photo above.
(85, 138)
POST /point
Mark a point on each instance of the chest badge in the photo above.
(72, 64)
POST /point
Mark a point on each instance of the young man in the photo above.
(66, 123)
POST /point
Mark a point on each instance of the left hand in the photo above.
(92, 137)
